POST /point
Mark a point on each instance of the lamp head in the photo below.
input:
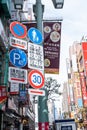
(58, 4)
(18, 4)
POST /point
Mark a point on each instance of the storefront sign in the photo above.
(22, 94)
(14, 88)
(3, 94)
(84, 91)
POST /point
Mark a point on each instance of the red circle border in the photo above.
(29, 77)
(11, 29)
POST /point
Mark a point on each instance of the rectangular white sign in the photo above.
(17, 75)
(36, 92)
(14, 88)
(35, 56)
(18, 43)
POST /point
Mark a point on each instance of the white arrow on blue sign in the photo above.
(35, 35)
(18, 57)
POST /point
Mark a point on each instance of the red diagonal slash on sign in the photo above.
(37, 92)
(18, 29)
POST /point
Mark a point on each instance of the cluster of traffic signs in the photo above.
(18, 57)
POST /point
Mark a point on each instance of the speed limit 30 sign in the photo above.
(36, 79)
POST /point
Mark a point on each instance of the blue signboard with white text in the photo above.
(35, 35)
(18, 57)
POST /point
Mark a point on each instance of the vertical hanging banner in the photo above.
(84, 48)
(84, 92)
(3, 94)
(22, 94)
(52, 37)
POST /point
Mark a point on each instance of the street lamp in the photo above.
(18, 4)
(58, 4)
(42, 101)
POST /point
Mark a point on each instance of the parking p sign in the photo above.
(18, 57)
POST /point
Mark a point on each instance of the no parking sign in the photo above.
(18, 29)
(36, 79)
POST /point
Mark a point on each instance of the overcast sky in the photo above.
(74, 26)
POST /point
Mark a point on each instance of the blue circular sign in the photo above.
(18, 57)
(18, 29)
(35, 35)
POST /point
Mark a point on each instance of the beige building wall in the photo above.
(65, 98)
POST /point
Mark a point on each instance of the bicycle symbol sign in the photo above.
(36, 79)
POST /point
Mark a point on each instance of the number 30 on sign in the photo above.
(36, 79)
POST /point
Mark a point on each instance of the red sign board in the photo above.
(3, 94)
(84, 92)
(84, 47)
(44, 126)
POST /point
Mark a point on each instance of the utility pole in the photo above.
(42, 100)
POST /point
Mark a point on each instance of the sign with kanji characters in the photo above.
(22, 92)
(52, 38)
(35, 56)
(36, 92)
(17, 75)
(14, 88)
(18, 43)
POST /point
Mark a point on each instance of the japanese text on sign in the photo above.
(35, 56)
(18, 43)
(17, 75)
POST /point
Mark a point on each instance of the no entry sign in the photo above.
(18, 29)
(36, 79)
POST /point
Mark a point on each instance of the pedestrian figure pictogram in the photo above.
(35, 35)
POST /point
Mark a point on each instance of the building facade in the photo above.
(14, 112)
